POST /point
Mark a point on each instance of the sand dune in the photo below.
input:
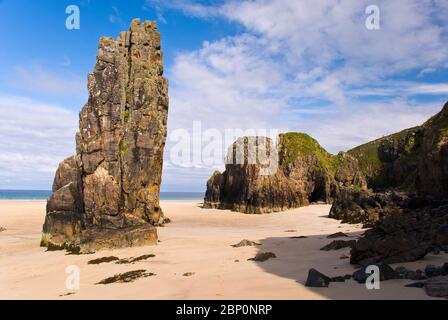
(197, 241)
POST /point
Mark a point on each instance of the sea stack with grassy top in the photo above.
(305, 172)
(107, 195)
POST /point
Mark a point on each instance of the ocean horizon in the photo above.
(44, 194)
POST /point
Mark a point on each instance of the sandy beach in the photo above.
(197, 241)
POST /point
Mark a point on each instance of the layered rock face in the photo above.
(108, 194)
(304, 172)
(243, 187)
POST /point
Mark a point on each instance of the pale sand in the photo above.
(196, 241)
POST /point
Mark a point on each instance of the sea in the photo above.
(44, 194)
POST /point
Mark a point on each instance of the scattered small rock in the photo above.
(127, 277)
(409, 274)
(246, 243)
(415, 285)
(445, 269)
(317, 280)
(103, 260)
(433, 271)
(167, 220)
(237, 260)
(437, 287)
(67, 294)
(291, 230)
(2, 229)
(435, 251)
(341, 278)
(263, 256)
(132, 260)
(386, 273)
(337, 235)
(337, 279)
(298, 237)
(189, 274)
(339, 244)
(344, 257)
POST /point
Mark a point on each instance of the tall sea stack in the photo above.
(107, 195)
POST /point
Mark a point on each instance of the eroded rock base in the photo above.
(94, 239)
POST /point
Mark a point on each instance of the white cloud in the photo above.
(343, 129)
(223, 82)
(322, 31)
(297, 65)
(439, 88)
(115, 17)
(35, 78)
(191, 8)
(401, 88)
(306, 66)
(35, 138)
(426, 71)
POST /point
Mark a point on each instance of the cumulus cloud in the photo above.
(35, 138)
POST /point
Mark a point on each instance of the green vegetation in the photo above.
(443, 133)
(439, 123)
(215, 175)
(369, 155)
(410, 144)
(126, 116)
(123, 148)
(300, 144)
(148, 99)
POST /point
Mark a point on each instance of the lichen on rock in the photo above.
(107, 195)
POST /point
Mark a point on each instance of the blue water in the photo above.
(42, 194)
(182, 195)
(24, 194)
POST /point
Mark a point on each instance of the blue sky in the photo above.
(309, 66)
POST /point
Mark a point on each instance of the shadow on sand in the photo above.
(295, 255)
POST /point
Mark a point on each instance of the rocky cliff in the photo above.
(407, 208)
(411, 160)
(107, 195)
(304, 172)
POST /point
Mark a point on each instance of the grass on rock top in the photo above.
(299, 144)
(368, 155)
